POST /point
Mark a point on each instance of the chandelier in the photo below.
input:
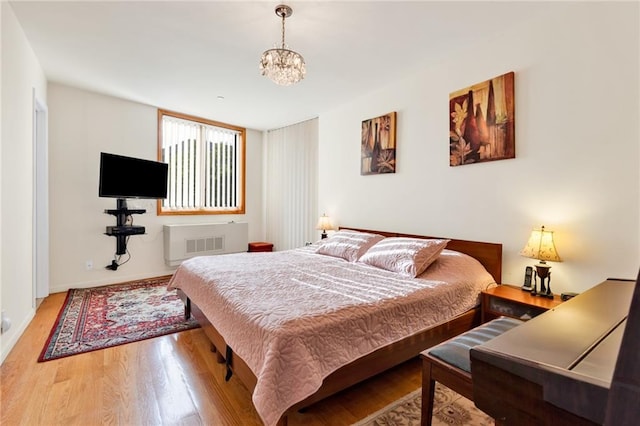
(283, 66)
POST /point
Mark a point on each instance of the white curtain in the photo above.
(291, 185)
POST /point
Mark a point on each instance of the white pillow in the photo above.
(349, 245)
(407, 256)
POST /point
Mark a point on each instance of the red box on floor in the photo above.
(260, 246)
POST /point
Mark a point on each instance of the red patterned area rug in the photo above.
(102, 317)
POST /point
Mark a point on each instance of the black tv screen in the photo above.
(128, 177)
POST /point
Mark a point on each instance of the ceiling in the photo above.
(183, 56)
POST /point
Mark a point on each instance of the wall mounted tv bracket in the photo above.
(122, 231)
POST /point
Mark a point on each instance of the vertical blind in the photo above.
(291, 184)
(203, 164)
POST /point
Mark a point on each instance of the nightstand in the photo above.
(511, 301)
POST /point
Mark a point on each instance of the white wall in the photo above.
(577, 148)
(81, 125)
(21, 74)
(1, 203)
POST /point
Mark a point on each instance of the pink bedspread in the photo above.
(295, 316)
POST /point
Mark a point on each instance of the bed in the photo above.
(297, 326)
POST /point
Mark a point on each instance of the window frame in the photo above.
(241, 160)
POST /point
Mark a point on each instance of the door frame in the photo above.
(40, 200)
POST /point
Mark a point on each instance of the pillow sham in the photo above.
(349, 245)
(407, 256)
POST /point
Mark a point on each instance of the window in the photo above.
(206, 165)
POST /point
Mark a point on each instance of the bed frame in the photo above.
(489, 254)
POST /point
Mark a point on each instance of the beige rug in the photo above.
(449, 409)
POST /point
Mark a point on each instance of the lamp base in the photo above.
(323, 235)
(543, 272)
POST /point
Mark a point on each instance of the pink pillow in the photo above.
(349, 245)
(407, 256)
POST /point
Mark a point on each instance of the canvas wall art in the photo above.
(482, 122)
(378, 145)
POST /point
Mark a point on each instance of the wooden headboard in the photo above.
(488, 254)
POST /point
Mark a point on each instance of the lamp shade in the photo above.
(541, 246)
(324, 223)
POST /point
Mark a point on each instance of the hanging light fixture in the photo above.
(282, 65)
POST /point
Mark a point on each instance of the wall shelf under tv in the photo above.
(122, 231)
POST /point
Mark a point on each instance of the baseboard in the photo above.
(8, 345)
(107, 281)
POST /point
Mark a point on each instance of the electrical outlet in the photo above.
(89, 265)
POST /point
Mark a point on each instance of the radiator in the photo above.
(185, 241)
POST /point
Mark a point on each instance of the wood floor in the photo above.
(168, 380)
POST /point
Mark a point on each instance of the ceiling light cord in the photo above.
(283, 17)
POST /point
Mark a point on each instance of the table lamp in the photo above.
(540, 246)
(324, 223)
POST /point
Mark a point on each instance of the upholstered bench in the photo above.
(259, 246)
(449, 362)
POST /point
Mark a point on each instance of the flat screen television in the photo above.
(128, 177)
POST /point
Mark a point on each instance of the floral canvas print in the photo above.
(378, 145)
(482, 122)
